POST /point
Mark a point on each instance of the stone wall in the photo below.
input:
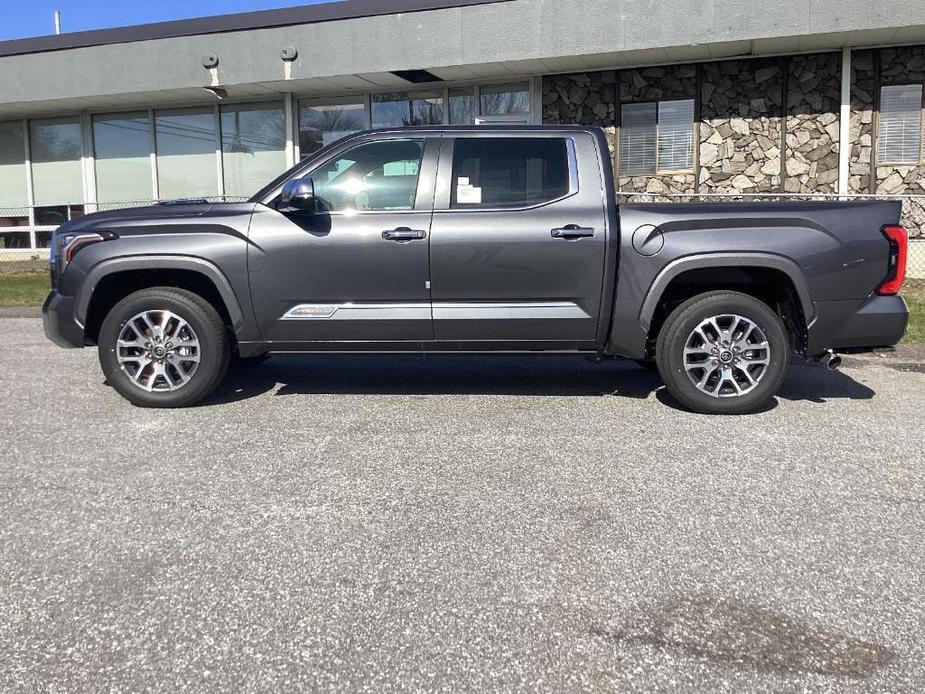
(588, 98)
(750, 135)
(741, 125)
(813, 102)
(658, 84)
(901, 66)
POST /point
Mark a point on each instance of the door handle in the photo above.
(572, 231)
(404, 234)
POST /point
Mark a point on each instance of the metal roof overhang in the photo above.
(457, 41)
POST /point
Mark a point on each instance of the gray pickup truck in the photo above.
(476, 239)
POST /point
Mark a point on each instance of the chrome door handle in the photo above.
(572, 231)
(404, 234)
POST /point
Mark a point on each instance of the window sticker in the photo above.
(466, 193)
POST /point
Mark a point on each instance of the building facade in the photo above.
(698, 97)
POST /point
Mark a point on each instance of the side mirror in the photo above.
(298, 196)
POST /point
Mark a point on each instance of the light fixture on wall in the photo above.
(219, 92)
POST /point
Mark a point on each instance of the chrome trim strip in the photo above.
(519, 310)
(556, 310)
(354, 312)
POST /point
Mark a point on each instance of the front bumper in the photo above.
(878, 321)
(61, 327)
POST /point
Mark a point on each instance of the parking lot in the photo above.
(458, 524)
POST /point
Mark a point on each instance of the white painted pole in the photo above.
(57, 23)
(844, 124)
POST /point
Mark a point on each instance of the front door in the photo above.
(518, 241)
(356, 268)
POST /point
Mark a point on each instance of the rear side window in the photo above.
(509, 172)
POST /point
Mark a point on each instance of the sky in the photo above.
(36, 17)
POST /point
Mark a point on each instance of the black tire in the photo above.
(679, 328)
(206, 323)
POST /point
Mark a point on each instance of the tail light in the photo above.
(899, 251)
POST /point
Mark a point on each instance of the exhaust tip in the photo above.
(831, 361)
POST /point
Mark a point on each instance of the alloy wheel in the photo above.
(726, 356)
(158, 351)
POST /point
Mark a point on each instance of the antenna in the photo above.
(57, 23)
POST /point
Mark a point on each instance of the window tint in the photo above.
(509, 172)
(374, 176)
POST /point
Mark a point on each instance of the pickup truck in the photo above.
(476, 239)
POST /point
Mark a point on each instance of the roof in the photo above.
(263, 19)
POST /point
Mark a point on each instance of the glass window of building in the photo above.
(504, 99)
(57, 175)
(253, 147)
(676, 135)
(508, 172)
(656, 137)
(462, 106)
(187, 141)
(374, 176)
(400, 110)
(14, 199)
(899, 138)
(122, 150)
(323, 124)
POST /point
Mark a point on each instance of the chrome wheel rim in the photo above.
(158, 351)
(726, 356)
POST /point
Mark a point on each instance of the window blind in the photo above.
(900, 136)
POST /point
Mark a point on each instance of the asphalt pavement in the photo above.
(339, 523)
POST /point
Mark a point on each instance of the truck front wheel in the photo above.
(163, 347)
(723, 353)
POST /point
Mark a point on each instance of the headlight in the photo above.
(66, 245)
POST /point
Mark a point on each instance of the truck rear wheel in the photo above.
(723, 353)
(163, 347)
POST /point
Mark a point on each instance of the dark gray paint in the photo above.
(500, 280)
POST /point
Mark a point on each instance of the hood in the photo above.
(157, 215)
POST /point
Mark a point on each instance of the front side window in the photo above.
(900, 135)
(657, 137)
(375, 176)
(509, 172)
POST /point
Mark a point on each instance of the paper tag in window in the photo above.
(467, 194)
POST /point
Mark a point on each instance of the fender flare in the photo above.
(735, 260)
(158, 262)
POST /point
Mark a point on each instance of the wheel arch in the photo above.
(763, 275)
(109, 281)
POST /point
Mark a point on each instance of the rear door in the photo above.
(518, 238)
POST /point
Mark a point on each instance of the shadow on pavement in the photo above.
(546, 375)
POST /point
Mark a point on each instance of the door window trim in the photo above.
(424, 197)
(443, 197)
